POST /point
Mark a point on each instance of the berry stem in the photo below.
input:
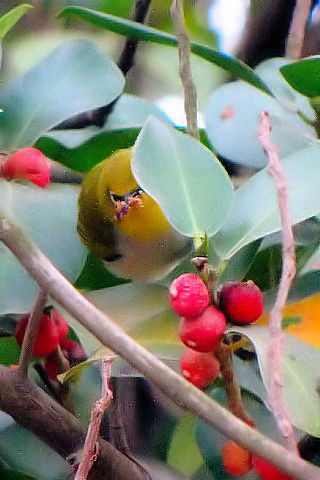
(31, 330)
(236, 406)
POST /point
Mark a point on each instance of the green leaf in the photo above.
(232, 118)
(240, 263)
(304, 76)
(82, 149)
(48, 216)
(149, 34)
(9, 20)
(255, 211)
(9, 351)
(184, 177)
(11, 474)
(184, 439)
(35, 102)
(95, 275)
(301, 374)
(290, 99)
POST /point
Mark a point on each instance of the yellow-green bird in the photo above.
(123, 225)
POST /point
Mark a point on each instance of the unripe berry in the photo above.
(46, 339)
(199, 368)
(267, 471)
(203, 333)
(73, 351)
(242, 302)
(236, 460)
(27, 164)
(188, 295)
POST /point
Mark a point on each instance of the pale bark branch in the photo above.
(169, 382)
(275, 353)
(295, 38)
(190, 94)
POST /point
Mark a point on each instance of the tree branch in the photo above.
(31, 330)
(288, 272)
(190, 94)
(297, 28)
(33, 409)
(169, 382)
(125, 63)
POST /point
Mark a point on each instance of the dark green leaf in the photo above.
(95, 276)
(149, 34)
(240, 263)
(304, 76)
(9, 351)
(35, 102)
(8, 20)
(11, 474)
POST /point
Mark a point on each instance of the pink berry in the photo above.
(27, 164)
(203, 333)
(242, 302)
(199, 368)
(267, 471)
(189, 295)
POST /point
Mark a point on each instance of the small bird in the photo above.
(124, 226)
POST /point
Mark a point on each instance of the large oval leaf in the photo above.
(74, 78)
(304, 76)
(255, 211)
(49, 217)
(184, 177)
(149, 34)
(232, 118)
(301, 376)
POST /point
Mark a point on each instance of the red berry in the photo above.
(61, 323)
(46, 339)
(27, 164)
(189, 295)
(73, 351)
(267, 471)
(51, 367)
(203, 333)
(199, 368)
(236, 460)
(242, 302)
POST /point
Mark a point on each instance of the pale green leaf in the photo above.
(184, 177)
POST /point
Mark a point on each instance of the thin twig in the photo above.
(41, 269)
(295, 38)
(99, 116)
(288, 272)
(91, 447)
(190, 94)
(232, 386)
(31, 330)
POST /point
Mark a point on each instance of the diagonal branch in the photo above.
(169, 382)
(288, 272)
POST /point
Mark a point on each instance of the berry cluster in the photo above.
(27, 164)
(203, 322)
(53, 330)
(237, 461)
